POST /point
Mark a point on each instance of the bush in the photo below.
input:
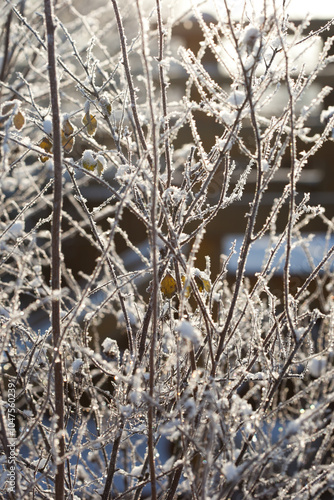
(130, 368)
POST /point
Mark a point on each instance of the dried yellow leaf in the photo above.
(199, 283)
(168, 286)
(88, 165)
(45, 144)
(7, 107)
(100, 166)
(19, 120)
(206, 284)
(67, 127)
(202, 282)
(67, 142)
(90, 123)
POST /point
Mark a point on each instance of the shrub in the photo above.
(133, 368)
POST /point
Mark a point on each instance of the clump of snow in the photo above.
(236, 98)
(250, 37)
(265, 166)
(299, 332)
(168, 464)
(170, 430)
(123, 172)
(131, 317)
(230, 472)
(240, 406)
(47, 126)
(110, 347)
(126, 410)
(227, 117)
(293, 427)
(136, 470)
(89, 316)
(190, 407)
(201, 274)
(317, 366)
(88, 157)
(76, 365)
(17, 228)
(12, 233)
(188, 332)
(8, 184)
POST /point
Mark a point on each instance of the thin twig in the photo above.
(56, 248)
